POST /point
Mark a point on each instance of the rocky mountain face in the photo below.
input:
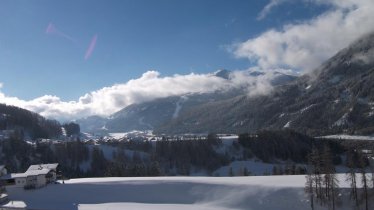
(149, 115)
(153, 114)
(337, 97)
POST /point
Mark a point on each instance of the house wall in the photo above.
(41, 181)
(31, 181)
(3, 172)
(53, 178)
(20, 182)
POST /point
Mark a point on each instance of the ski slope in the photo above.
(156, 193)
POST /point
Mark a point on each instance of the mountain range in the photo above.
(336, 97)
(153, 114)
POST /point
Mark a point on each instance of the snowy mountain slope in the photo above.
(337, 97)
(260, 192)
(152, 114)
(94, 124)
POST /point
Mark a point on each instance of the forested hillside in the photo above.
(27, 123)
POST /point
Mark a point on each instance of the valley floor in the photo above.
(206, 193)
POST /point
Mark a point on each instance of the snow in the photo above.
(156, 193)
(43, 166)
(117, 135)
(29, 173)
(179, 106)
(342, 121)
(229, 139)
(141, 206)
(308, 87)
(15, 205)
(104, 127)
(371, 104)
(63, 131)
(287, 125)
(145, 134)
(347, 137)
(306, 108)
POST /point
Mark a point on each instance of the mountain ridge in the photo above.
(152, 114)
(338, 98)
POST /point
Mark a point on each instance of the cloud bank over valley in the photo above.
(149, 86)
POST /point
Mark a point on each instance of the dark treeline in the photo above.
(283, 145)
(132, 158)
(28, 122)
(270, 146)
(144, 146)
(18, 155)
(124, 165)
(165, 157)
(182, 154)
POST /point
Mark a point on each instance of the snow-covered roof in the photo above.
(51, 166)
(31, 173)
(15, 205)
(2, 167)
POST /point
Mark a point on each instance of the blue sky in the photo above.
(133, 36)
(45, 65)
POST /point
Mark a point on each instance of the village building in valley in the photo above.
(36, 176)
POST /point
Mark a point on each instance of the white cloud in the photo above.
(149, 86)
(267, 9)
(305, 45)
(110, 99)
(259, 85)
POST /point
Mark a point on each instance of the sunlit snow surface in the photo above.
(348, 137)
(258, 192)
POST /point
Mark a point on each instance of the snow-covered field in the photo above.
(348, 137)
(218, 193)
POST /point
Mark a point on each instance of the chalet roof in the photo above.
(51, 166)
(31, 173)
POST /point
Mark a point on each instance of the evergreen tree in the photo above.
(231, 172)
(364, 179)
(309, 188)
(330, 180)
(99, 163)
(246, 172)
(351, 177)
